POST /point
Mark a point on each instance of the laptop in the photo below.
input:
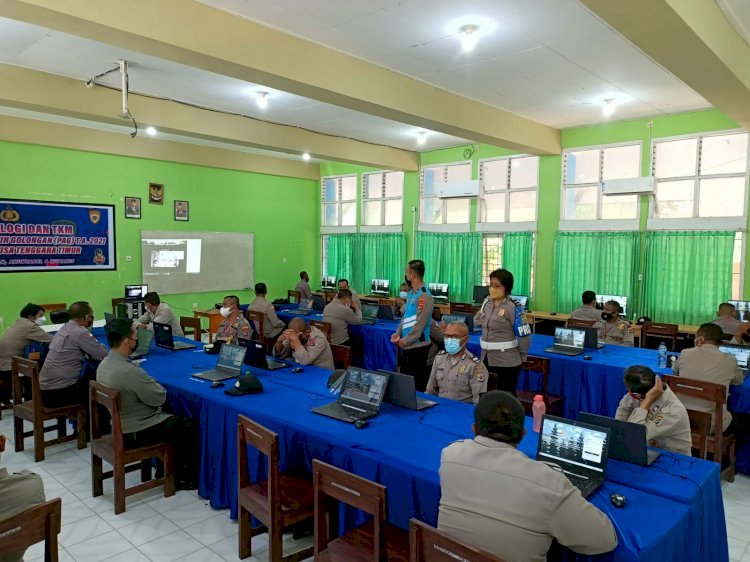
(164, 338)
(591, 338)
(578, 448)
(256, 356)
(741, 354)
(370, 313)
(385, 312)
(380, 287)
(402, 392)
(360, 397)
(228, 366)
(439, 292)
(464, 318)
(481, 292)
(628, 440)
(108, 316)
(568, 341)
(305, 307)
(145, 337)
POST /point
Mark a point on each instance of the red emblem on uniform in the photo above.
(420, 303)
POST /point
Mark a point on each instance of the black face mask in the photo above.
(607, 315)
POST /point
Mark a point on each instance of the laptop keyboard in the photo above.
(343, 412)
(585, 485)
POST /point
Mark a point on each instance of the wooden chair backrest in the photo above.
(576, 323)
(193, 323)
(54, 306)
(115, 302)
(427, 544)
(388, 302)
(292, 294)
(324, 327)
(462, 307)
(267, 443)
(539, 365)
(342, 356)
(39, 523)
(660, 329)
(328, 296)
(109, 398)
(29, 368)
(256, 319)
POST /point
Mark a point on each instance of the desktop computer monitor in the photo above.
(134, 293)
(328, 283)
(380, 287)
(623, 300)
(741, 310)
(481, 292)
(439, 291)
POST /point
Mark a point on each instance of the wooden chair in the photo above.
(115, 302)
(660, 331)
(39, 523)
(375, 540)
(33, 411)
(717, 444)
(554, 404)
(59, 316)
(444, 308)
(576, 323)
(462, 307)
(324, 327)
(342, 356)
(191, 325)
(112, 448)
(427, 544)
(256, 321)
(328, 296)
(292, 294)
(388, 302)
(54, 306)
(278, 502)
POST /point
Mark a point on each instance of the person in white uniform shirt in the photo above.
(157, 311)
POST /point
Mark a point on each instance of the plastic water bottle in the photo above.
(662, 356)
(538, 409)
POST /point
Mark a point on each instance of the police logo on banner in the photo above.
(95, 215)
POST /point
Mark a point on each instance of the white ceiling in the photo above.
(738, 14)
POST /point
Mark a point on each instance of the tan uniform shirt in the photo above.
(303, 288)
(65, 358)
(458, 377)
(727, 325)
(230, 330)
(496, 498)
(339, 316)
(19, 492)
(618, 333)
(272, 325)
(497, 322)
(315, 351)
(707, 363)
(15, 339)
(164, 315)
(667, 423)
(587, 313)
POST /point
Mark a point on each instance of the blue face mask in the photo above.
(403, 294)
(452, 345)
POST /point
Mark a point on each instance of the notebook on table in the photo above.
(228, 366)
(164, 338)
(627, 439)
(360, 397)
(568, 341)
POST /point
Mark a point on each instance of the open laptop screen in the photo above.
(570, 337)
(370, 311)
(231, 356)
(740, 353)
(364, 387)
(144, 340)
(574, 443)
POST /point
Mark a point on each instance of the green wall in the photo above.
(220, 201)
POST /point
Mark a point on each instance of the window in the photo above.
(508, 189)
(583, 172)
(492, 259)
(737, 268)
(443, 211)
(324, 254)
(704, 176)
(339, 196)
(383, 199)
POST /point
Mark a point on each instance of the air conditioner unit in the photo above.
(458, 189)
(628, 186)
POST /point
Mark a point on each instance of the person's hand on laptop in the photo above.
(653, 395)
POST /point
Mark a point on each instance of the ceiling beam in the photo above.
(32, 90)
(203, 37)
(693, 40)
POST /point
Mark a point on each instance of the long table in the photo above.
(674, 509)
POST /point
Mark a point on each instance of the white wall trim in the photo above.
(601, 225)
(714, 223)
(502, 227)
(338, 229)
(444, 227)
(388, 228)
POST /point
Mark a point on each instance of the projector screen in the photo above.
(194, 262)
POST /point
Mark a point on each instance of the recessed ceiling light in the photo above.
(421, 138)
(469, 37)
(262, 100)
(609, 107)
(151, 131)
(305, 156)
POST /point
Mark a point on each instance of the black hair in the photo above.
(615, 304)
(588, 297)
(345, 294)
(417, 266)
(505, 278)
(500, 416)
(152, 298)
(639, 379)
(302, 274)
(726, 305)
(342, 280)
(261, 289)
(710, 332)
(31, 310)
(80, 309)
(117, 330)
(235, 298)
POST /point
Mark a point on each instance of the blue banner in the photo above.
(40, 236)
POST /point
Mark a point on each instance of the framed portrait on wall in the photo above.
(156, 193)
(132, 207)
(181, 210)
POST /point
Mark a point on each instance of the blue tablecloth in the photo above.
(674, 509)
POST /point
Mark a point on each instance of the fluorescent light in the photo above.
(469, 37)
(421, 138)
(262, 100)
(151, 131)
(609, 107)
(305, 156)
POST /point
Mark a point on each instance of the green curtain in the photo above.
(687, 275)
(360, 258)
(455, 259)
(517, 252)
(605, 262)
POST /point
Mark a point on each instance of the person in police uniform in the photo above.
(272, 324)
(303, 287)
(456, 373)
(651, 403)
(725, 318)
(340, 313)
(234, 325)
(588, 310)
(344, 284)
(306, 344)
(612, 328)
(505, 333)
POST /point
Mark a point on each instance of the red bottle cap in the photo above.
(538, 398)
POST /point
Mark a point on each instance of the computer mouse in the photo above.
(297, 370)
(587, 357)
(217, 384)
(553, 313)
(360, 424)
(618, 500)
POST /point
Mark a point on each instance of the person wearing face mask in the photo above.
(26, 329)
(705, 362)
(413, 334)
(344, 284)
(303, 287)
(59, 378)
(403, 294)
(234, 324)
(141, 401)
(505, 333)
(652, 403)
(340, 313)
(306, 344)
(157, 311)
(612, 328)
(456, 373)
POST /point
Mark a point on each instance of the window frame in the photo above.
(507, 225)
(365, 228)
(337, 229)
(598, 224)
(695, 222)
(444, 226)
(532, 272)
(743, 250)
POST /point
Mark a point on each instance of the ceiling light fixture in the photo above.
(151, 131)
(469, 37)
(305, 156)
(421, 138)
(262, 100)
(609, 107)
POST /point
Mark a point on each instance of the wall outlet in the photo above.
(195, 306)
(128, 258)
(284, 260)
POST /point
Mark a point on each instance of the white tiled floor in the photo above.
(154, 528)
